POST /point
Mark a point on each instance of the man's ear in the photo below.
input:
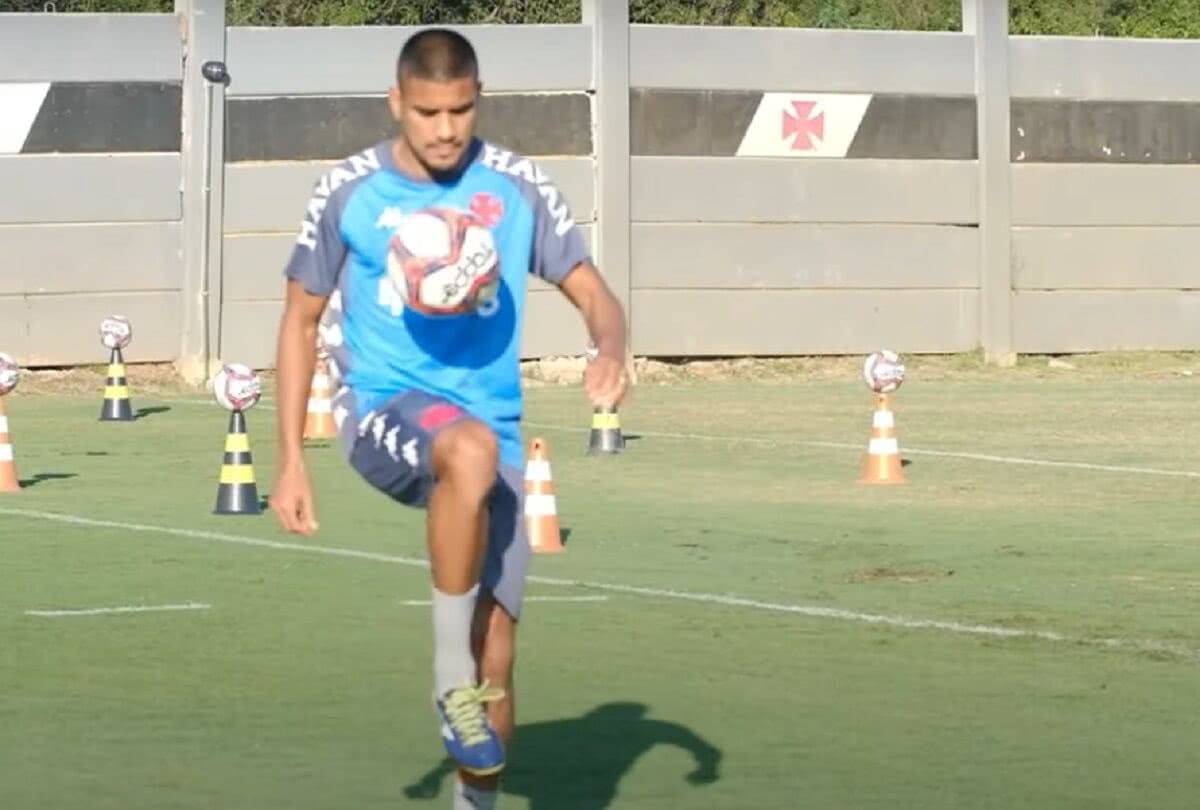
(395, 102)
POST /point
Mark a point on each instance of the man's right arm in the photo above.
(312, 276)
(295, 358)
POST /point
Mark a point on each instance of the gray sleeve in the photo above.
(319, 252)
(558, 243)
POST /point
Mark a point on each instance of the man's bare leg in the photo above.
(464, 468)
(464, 458)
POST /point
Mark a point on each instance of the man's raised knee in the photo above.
(466, 452)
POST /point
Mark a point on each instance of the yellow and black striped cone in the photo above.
(237, 493)
(117, 407)
(606, 434)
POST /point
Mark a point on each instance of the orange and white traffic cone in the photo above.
(318, 422)
(882, 465)
(8, 467)
(541, 508)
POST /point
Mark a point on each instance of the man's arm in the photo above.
(561, 257)
(602, 312)
(312, 274)
(295, 360)
(605, 379)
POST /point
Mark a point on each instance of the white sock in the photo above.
(453, 663)
(467, 797)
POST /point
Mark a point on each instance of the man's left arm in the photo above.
(561, 257)
(604, 379)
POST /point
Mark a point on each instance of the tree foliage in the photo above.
(1110, 18)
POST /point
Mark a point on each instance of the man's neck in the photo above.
(407, 163)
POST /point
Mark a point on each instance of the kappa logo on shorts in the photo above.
(378, 427)
(394, 449)
(437, 415)
(391, 441)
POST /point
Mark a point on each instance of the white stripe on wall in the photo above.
(798, 125)
(19, 106)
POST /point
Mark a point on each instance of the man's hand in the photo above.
(605, 381)
(292, 501)
(604, 378)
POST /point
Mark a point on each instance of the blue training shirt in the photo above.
(377, 346)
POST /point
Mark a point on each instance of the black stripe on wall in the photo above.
(123, 117)
(331, 127)
(712, 123)
(107, 117)
(1054, 131)
(689, 123)
(917, 128)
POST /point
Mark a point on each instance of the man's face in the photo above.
(437, 118)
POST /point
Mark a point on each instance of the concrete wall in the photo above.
(90, 168)
(1106, 162)
(747, 191)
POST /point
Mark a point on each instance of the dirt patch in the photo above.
(145, 379)
(1161, 366)
(560, 370)
(162, 379)
(894, 575)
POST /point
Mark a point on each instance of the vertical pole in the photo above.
(609, 20)
(988, 21)
(203, 169)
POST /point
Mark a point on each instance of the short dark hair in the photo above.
(438, 54)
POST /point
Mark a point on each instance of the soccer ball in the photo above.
(236, 387)
(115, 332)
(883, 371)
(10, 373)
(443, 261)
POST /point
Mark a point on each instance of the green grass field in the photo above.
(745, 646)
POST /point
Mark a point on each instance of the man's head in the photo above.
(435, 97)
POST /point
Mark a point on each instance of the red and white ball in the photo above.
(442, 261)
(883, 371)
(10, 374)
(115, 332)
(236, 387)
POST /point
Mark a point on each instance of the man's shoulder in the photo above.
(335, 186)
(360, 165)
(545, 200)
(340, 179)
(495, 157)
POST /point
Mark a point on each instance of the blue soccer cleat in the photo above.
(469, 738)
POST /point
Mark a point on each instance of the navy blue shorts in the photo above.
(391, 448)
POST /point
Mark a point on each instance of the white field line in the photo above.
(120, 609)
(733, 438)
(724, 600)
(904, 450)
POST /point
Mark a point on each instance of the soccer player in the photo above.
(428, 406)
